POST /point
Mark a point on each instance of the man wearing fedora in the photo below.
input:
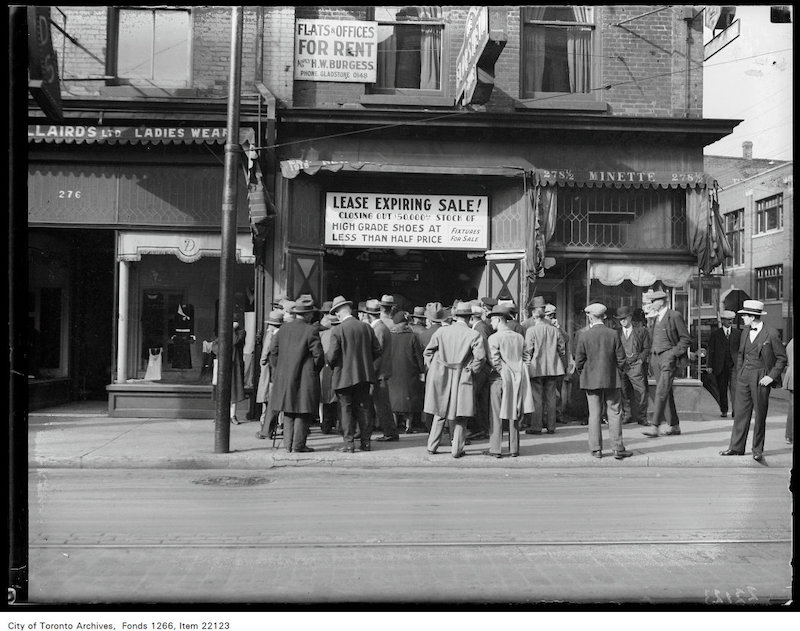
(760, 362)
(269, 417)
(383, 372)
(723, 346)
(296, 358)
(669, 341)
(550, 316)
(387, 310)
(635, 342)
(544, 351)
(509, 386)
(481, 385)
(454, 356)
(418, 322)
(599, 360)
(351, 355)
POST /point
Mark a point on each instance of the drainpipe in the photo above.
(688, 17)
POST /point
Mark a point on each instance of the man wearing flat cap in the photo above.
(383, 372)
(760, 362)
(723, 346)
(599, 358)
(351, 354)
(296, 358)
(636, 343)
(454, 356)
(669, 342)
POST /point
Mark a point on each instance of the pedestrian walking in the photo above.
(723, 346)
(669, 344)
(509, 386)
(295, 360)
(635, 342)
(453, 357)
(383, 372)
(599, 360)
(545, 351)
(353, 349)
(760, 363)
(269, 417)
(788, 384)
(405, 386)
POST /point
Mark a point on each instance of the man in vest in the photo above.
(760, 362)
(636, 344)
(670, 341)
(723, 346)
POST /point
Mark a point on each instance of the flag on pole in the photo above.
(542, 216)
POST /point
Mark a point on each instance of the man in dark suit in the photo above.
(383, 371)
(295, 359)
(599, 359)
(351, 355)
(481, 382)
(669, 340)
(635, 342)
(723, 346)
(760, 362)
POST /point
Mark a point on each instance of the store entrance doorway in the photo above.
(414, 277)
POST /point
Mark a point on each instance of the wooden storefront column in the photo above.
(122, 322)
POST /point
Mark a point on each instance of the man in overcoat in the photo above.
(383, 372)
(269, 417)
(760, 362)
(599, 358)
(481, 419)
(669, 342)
(296, 358)
(351, 355)
(545, 350)
(635, 342)
(550, 316)
(453, 357)
(405, 387)
(387, 310)
(723, 346)
(509, 385)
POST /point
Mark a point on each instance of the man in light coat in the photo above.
(351, 354)
(509, 386)
(599, 359)
(453, 357)
(545, 350)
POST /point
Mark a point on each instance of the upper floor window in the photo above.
(769, 283)
(150, 46)
(769, 213)
(557, 50)
(409, 50)
(734, 230)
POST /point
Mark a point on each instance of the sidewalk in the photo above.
(82, 435)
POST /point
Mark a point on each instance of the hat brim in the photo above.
(339, 305)
(751, 312)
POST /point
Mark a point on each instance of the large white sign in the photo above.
(335, 50)
(444, 222)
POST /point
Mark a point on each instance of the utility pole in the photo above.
(222, 423)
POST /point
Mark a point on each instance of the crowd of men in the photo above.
(475, 371)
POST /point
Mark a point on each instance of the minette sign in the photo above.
(445, 222)
(336, 50)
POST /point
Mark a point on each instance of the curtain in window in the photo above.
(410, 57)
(430, 50)
(387, 59)
(579, 59)
(533, 45)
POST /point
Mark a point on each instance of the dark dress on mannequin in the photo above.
(181, 336)
(152, 323)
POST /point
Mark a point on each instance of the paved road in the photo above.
(635, 535)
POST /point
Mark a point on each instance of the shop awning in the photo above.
(188, 247)
(150, 135)
(641, 274)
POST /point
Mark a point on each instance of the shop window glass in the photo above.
(50, 328)
(769, 213)
(409, 49)
(153, 46)
(769, 283)
(557, 50)
(734, 230)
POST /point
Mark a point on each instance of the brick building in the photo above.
(429, 152)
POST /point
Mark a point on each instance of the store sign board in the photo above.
(101, 132)
(617, 176)
(484, 40)
(721, 40)
(397, 221)
(43, 81)
(336, 50)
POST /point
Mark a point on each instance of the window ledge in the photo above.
(562, 103)
(767, 233)
(405, 99)
(133, 91)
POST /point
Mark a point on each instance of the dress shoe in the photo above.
(260, 435)
(514, 455)
(643, 423)
(347, 450)
(304, 450)
(731, 452)
(723, 415)
(533, 431)
(673, 430)
(758, 456)
(551, 431)
(366, 447)
(619, 455)
(387, 439)
(651, 432)
(235, 421)
(410, 430)
(584, 422)
(460, 454)
(431, 453)
(597, 453)
(489, 453)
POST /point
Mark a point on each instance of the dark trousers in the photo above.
(480, 422)
(752, 399)
(726, 383)
(496, 428)
(663, 367)
(560, 398)
(383, 408)
(544, 403)
(634, 395)
(790, 418)
(354, 406)
(295, 430)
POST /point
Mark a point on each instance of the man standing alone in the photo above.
(636, 344)
(723, 346)
(546, 350)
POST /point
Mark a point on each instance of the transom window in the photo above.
(151, 46)
(557, 50)
(769, 283)
(734, 230)
(409, 50)
(769, 213)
